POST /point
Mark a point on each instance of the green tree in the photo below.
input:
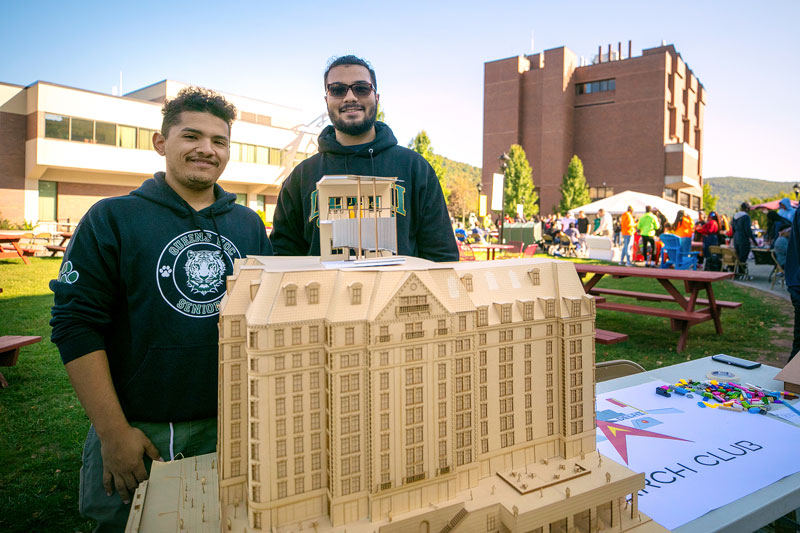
(463, 196)
(519, 184)
(709, 200)
(380, 115)
(574, 191)
(422, 145)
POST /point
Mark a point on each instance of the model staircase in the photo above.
(459, 516)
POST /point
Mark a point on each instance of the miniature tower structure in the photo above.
(356, 213)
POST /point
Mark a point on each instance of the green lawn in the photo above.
(42, 425)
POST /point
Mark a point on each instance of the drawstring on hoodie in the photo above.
(372, 161)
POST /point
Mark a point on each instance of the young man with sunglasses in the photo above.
(357, 144)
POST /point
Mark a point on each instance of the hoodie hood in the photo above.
(785, 203)
(156, 190)
(738, 215)
(384, 138)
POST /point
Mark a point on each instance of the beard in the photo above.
(354, 128)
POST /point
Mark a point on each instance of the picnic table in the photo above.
(10, 248)
(62, 246)
(692, 309)
(9, 351)
(491, 249)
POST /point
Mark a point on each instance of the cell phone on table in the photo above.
(735, 361)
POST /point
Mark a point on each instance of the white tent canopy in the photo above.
(618, 204)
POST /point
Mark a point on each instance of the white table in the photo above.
(755, 510)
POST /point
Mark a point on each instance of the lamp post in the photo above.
(503, 167)
(479, 186)
(796, 191)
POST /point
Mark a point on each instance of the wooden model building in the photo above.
(416, 397)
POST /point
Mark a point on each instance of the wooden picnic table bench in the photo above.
(651, 297)
(10, 248)
(603, 336)
(62, 246)
(681, 319)
(9, 351)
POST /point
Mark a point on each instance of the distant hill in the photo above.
(733, 191)
(454, 168)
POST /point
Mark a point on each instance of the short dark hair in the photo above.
(196, 99)
(349, 60)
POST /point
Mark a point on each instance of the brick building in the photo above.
(636, 123)
(62, 149)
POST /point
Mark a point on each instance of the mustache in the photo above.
(204, 160)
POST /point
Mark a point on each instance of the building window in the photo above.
(278, 338)
(505, 314)
(355, 293)
(349, 335)
(467, 280)
(291, 295)
(599, 86)
(483, 316)
(534, 275)
(312, 293)
(56, 126)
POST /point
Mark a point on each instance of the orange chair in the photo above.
(530, 250)
(465, 252)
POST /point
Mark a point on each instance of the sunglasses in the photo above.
(360, 89)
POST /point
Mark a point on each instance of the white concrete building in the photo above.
(62, 149)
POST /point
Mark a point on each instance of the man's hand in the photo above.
(121, 446)
(123, 463)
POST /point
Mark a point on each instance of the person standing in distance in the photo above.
(357, 144)
(647, 226)
(136, 307)
(627, 223)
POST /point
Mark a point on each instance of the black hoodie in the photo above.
(142, 279)
(423, 225)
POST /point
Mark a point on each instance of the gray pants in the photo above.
(188, 438)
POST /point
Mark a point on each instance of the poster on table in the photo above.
(681, 446)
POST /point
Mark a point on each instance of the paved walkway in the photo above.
(760, 281)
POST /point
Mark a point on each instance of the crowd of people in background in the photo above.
(642, 233)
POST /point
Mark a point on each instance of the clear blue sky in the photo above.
(428, 55)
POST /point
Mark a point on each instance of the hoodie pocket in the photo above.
(173, 383)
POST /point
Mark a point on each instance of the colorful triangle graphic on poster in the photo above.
(617, 435)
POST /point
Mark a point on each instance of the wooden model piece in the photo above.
(790, 375)
(356, 213)
(418, 397)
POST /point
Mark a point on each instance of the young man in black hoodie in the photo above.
(137, 303)
(357, 144)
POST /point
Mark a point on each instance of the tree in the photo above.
(380, 115)
(422, 145)
(519, 184)
(709, 200)
(574, 191)
(463, 196)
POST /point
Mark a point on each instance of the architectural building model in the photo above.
(420, 397)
